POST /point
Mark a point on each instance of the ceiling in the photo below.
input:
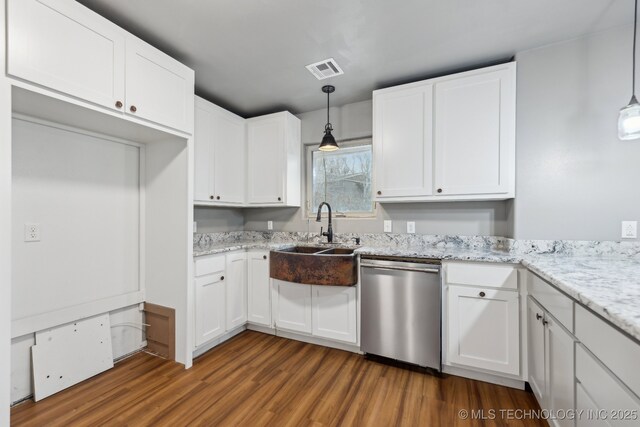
(249, 56)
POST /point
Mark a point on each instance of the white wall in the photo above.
(169, 237)
(218, 220)
(5, 228)
(84, 192)
(575, 179)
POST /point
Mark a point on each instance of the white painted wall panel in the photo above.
(84, 192)
(126, 337)
(68, 354)
(5, 227)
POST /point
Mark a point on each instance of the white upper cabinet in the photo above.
(403, 122)
(159, 88)
(475, 133)
(274, 157)
(66, 47)
(448, 138)
(220, 155)
(63, 46)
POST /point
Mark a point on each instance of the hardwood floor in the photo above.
(257, 379)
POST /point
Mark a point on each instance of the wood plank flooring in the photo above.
(257, 379)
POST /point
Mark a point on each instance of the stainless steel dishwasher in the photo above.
(401, 309)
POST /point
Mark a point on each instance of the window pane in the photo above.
(342, 178)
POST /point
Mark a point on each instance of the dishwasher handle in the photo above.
(415, 269)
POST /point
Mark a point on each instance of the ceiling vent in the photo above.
(325, 69)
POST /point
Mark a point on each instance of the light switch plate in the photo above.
(195, 227)
(387, 226)
(629, 229)
(269, 225)
(31, 232)
(411, 227)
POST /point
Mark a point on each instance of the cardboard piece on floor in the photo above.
(68, 354)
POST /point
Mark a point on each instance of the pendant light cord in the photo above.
(635, 30)
(329, 92)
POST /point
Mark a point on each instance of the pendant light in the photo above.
(629, 118)
(328, 141)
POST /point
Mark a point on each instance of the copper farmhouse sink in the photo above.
(313, 265)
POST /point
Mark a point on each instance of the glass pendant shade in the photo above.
(629, 121)
(629, 117)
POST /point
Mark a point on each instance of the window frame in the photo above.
(310, 210)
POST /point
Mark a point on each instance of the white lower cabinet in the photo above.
(209, 307)
(259, 301)
(535, 344)
(236, 290)
(334, 312)
(559, 370)
(220, 297)
(483, 329)
(328, 312)
(597, 389)
(551, 361)
(292, 306)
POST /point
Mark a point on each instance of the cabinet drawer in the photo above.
(209, 265)
(618, 352)
(603, 389)
(555, 302)
(495, 276)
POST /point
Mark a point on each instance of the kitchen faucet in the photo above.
(329, 232)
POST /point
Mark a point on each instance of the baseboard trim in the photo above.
(483, 376)
(199, 351)
(304, 338)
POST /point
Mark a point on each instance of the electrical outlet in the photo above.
(387, 226)
(411, 227)
(269, 225)
(629, 229)
(32, 232)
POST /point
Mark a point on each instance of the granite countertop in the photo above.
(610, 286)
(447, 253)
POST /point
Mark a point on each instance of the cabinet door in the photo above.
(265, 146)
(474, 133)
(560, 373)
(229, 161)
(236, 289)
(159, 88)
(535, 347)
(585, 405)
(598, 387)
(203, 153)
(402, 141)
(66, 47)
(259, 291)
(334, 312)
(292, 306)
(484, 329)
(209, 307)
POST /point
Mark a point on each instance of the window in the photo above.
(341, 178)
